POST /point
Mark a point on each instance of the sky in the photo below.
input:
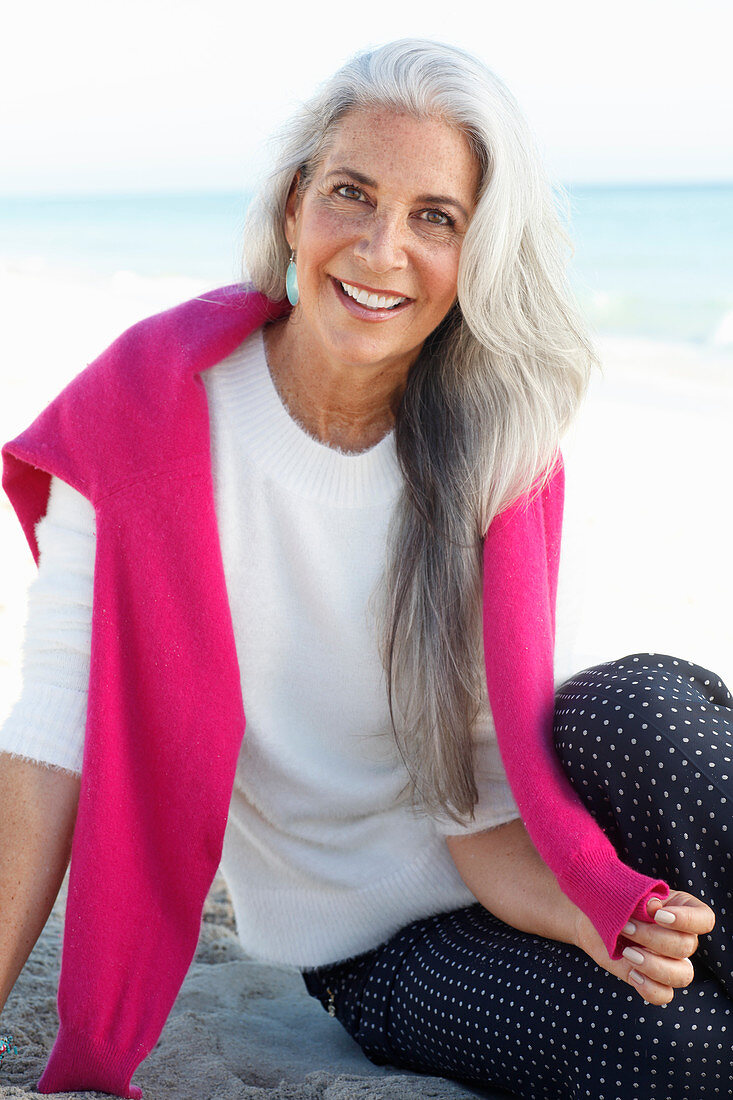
(181, 95)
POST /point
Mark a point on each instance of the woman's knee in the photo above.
(639, 693)
(598, 711)
(644, 735)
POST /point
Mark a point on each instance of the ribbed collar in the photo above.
(264, 428)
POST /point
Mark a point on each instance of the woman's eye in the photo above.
(348, 191)
(436, 217)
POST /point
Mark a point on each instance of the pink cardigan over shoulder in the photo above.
(165, 717)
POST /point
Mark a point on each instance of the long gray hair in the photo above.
(486, 402)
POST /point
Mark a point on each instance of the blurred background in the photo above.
(133, 136)
(135, 133)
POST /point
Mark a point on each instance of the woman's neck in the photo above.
(349, 408)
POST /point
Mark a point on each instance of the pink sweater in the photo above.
(132, 434)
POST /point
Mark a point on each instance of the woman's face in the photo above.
(378, 233)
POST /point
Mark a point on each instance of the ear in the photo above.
(292, 211)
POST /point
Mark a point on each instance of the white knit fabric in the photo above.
(322, 857)
(47, 723)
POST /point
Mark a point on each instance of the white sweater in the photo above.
(322, 858)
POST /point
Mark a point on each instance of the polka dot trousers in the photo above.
(647, 741)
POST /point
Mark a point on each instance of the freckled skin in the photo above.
(340, 372)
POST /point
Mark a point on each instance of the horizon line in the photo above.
(191, 192)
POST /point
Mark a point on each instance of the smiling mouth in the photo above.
(369, 299)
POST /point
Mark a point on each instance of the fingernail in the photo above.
(632, 955)
(636, 977)
(629, 929)
(663, 916)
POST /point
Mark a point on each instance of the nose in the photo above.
(382, 245)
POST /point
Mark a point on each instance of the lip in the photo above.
(362, 312)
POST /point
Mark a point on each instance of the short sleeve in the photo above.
(48, 721)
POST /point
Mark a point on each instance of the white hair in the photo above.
(486, 402)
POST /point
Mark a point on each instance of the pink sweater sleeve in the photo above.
(521, 557)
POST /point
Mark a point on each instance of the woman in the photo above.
(342, 517)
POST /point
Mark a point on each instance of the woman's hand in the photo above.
(503, 870)
(657, 956)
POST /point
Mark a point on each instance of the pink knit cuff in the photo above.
(609, 893)
(78, 1063)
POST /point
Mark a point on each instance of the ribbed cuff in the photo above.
(609, 893)
(78, 1063)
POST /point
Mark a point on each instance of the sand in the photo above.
(239, 1030)
(646, 566)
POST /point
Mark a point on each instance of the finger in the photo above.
(663, 941)
(653, 992)
(698, 918)
(676, 973)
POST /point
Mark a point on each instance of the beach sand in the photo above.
(239, 1030)
(645, 567)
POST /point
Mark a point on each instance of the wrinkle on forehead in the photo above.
(385, 123)
(396, 113)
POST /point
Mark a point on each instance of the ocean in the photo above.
(654, 261)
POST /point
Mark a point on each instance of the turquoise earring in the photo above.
(291, 282)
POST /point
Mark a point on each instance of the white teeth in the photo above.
(371, 301)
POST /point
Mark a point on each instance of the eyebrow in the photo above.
(433, 200)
